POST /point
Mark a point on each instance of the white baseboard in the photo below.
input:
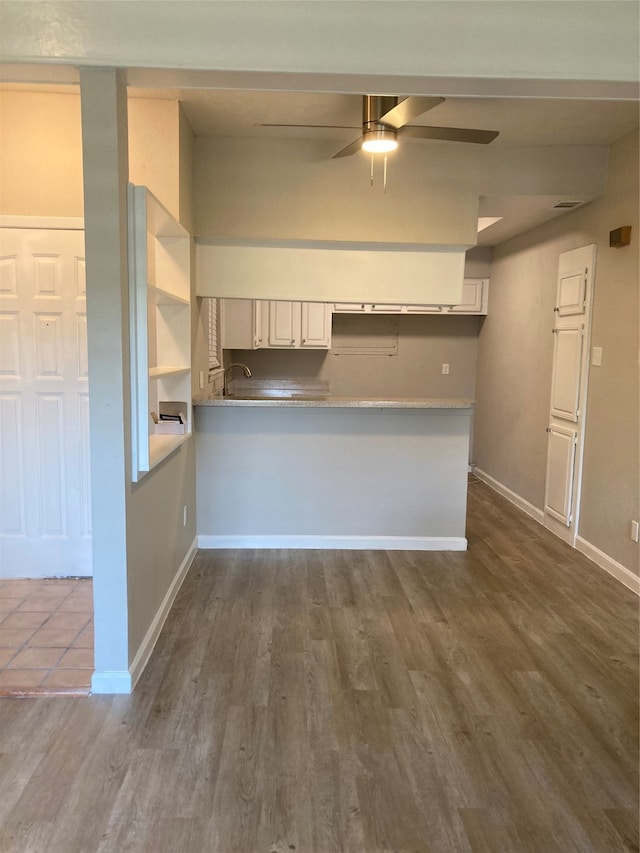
(151, 637)
(124, 681)
(357, 543)
(610, 565)
(111, 682)
(512, 497)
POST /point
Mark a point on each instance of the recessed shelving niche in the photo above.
(160, 301)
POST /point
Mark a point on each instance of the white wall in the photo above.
(515, 357)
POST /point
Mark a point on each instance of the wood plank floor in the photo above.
(354, 701)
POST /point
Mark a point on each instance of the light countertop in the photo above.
(306, 402)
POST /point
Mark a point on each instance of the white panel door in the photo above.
(569, 378)
(45, 517)
(565, 383)
(560, 459)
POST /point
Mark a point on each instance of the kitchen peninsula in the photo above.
(332, 472)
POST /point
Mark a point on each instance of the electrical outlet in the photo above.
(184, 516)
(634, 531)
(445, 368)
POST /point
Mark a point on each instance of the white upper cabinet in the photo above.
(475, 297)
(256, 324)
(160, 307)
(315, 325)
(284, 324)
(242, 326)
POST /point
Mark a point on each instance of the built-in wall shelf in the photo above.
(161, 371)
(160, 322)
(161, 446)
(164, 297)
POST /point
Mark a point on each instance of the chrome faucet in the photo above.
(245, 370)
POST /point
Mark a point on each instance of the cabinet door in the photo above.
(349, 307)
(237, 324)
(572, 290)
(260, 324)
(472, 292)
(284, 324)
(424, 309)
(559, 485)
(567, 361)
(386, 308)
(315, 325)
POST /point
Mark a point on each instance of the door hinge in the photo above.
(575, 439)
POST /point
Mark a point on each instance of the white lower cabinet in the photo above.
(249, 324)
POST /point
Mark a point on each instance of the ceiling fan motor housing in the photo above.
(375, 106)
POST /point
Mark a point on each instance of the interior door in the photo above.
(45, 515)
(569, 391)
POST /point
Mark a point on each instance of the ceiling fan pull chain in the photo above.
(372, 170)
(384, 180)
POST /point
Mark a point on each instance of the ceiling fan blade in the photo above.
(352, 148)
(450, 134)
(320, 126)
(407, 110)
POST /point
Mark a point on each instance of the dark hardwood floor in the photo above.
(350, 701)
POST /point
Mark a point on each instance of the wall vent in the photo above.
(567, 204)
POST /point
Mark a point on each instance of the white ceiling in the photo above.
(520, 121)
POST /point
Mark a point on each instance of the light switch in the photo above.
(445, 368)
(596, 356)
(201, 379)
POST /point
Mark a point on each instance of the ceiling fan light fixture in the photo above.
(380, 141)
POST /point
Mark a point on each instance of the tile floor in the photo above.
(46, 637)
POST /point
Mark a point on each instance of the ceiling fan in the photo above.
(387, 117)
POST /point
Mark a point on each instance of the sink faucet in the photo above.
(245, 370)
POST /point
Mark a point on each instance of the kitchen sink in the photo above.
(277, 394)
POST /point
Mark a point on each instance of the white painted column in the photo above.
(105, 170)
